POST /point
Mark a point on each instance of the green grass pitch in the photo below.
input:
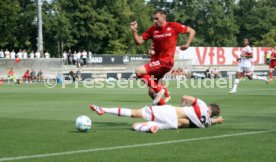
(35, 120)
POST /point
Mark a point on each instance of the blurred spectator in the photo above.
(64, 56)
(178, 74)
(79, 60)
(207, 72)
(47, 55)
(84, 57)
(75, 58)
(33, 76)
(7, 54)
(2, 54)
(24, 54)
(90, 55)
(78, 75)
(32, 55)
(37, 54)
(215, 73)
(70, 57)
(267, 57)
(11, 76)
(39, 76)
(13, 54)
(26, 76)
(72, 75)
(19, 54)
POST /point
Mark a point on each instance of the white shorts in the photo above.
(164, 117)
(248, 70)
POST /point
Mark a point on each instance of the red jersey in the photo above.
(273, 55)
(164, 40)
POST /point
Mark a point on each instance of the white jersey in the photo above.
(198, 114)
(246, 62)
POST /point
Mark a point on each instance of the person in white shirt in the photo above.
(32, 55)
(245, 66)
(7, 54)
(193, 113)
(75, 58)
(64, 55)
(13, 54)
(25, 54)
(47, 54)
(19, 54)
(84, 57)
(2, 54)
(79, 59)
(37, 54)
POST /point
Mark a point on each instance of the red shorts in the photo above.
(272, 65)
(158, 68)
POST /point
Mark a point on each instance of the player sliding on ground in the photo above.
(193, 113)
(245, 66)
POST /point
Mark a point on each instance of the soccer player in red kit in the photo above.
(272, 65)
(164, 37)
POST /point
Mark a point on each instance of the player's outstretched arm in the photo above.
(191, 33)
(137, 38)
(218, 120)
(187, 100)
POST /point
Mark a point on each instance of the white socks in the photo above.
(118, 111)
(256, 77)
(236, 83)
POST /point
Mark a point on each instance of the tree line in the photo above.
(102, 26)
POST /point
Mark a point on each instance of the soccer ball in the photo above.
(83, 123)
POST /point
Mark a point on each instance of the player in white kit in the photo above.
(193, 113)
(245, 66)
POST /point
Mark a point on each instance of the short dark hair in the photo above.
(215, 109)
(160, 11)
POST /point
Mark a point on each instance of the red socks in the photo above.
(270, 75)
(150, 82)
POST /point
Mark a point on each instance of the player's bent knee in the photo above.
(140, 71)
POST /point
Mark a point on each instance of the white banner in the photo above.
(218, 55)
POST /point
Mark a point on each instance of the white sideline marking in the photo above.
(130, 146)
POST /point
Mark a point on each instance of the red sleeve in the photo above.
(194, 103)
(148, 34)
(179, 28)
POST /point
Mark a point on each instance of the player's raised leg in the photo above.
(141, 73)
(135, 113)
(256, 77)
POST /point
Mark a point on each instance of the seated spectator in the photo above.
(40, 76)
(33, 76)
(72, 75)
(207, 73)
(78, 75)
(11, 75)
(216, 73)
(26, 76)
